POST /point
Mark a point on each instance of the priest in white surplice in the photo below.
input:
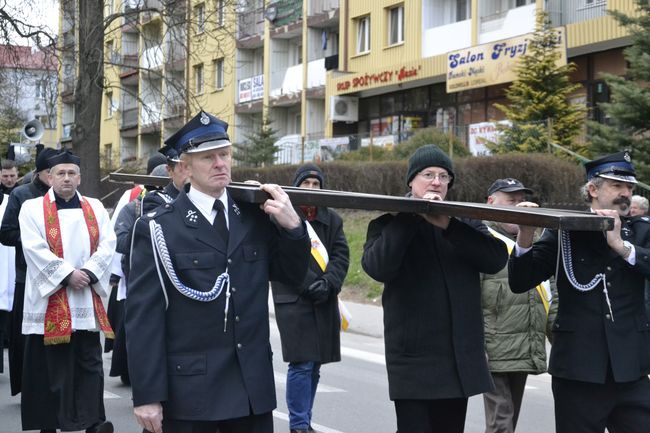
(7, 284)
(69, 244)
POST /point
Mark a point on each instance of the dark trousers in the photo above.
(503, 404)
(63, 384)
(582, 407)
(431, 416)
(4, 335)
(262, 423)
(17, 340)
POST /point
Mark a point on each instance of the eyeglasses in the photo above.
(443, 178)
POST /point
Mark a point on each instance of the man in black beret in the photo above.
(433, 324)
(68, 243)
(10, 236)
(600, 359)
(307, 314)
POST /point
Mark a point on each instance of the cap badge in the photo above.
(511, 182)
(205, 120)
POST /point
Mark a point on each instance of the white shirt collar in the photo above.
(204, 203)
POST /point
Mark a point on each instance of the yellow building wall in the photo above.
(109, 133)
(216, 42)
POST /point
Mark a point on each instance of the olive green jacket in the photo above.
(516, 325)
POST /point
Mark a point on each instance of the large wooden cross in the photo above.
(536, 217)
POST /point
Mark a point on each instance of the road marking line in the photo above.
(320, 428)
(365, 356)
(109, 395)
(281, 379)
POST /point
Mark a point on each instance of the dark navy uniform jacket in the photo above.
(178, 351)
(586, 341)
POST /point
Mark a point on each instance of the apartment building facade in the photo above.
(327, 73)
(399, 58)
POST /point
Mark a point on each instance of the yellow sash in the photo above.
(319, 253)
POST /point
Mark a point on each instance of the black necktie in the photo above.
(220, 220)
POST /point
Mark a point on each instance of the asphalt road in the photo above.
(352, 396)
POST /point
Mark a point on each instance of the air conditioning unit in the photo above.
(344, 108)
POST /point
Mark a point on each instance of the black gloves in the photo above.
(318, 291)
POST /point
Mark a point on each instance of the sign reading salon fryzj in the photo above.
(492, 63)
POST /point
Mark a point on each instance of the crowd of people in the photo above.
(186, 270)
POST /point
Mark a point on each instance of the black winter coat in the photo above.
(308, 331)
(10, 229)
(179, 352)
(586, 341)
(433, 323)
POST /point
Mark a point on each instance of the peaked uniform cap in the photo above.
(203, 132)
(508, 185)
(617, 166)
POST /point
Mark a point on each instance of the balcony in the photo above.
(288, 12)
(152, 58)
(129, 117)
(496, 24)
(174, 109)
(563, 12)
(436, 40)
(250, 28)
(332, 63)
(176, 55)
(150, 117)
(150, 10)
(317, 7)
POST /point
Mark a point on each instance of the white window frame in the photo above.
(110, 105)
(399, 34)
(199, 17)
(218, 74)
(220, 6)
(199, 79)
(363, 34)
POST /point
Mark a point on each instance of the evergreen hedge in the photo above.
(556, 182)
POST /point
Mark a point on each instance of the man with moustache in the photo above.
(10, 236)
(600, 359)
(197, 319)
(516, 324)
(433, 325)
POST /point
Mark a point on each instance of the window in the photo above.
(396, 25)
(220, 12)
(218, 73)
(363, 35)
(110, 105)
(41, 89)
(199, 17)
(198, 79)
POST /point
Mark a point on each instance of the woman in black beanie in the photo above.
(433, 323)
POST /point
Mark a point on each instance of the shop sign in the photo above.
(492, 63)
(480, 134)
(257, 87)
(245, 92)
(388, 76)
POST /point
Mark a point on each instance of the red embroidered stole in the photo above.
(58, 318)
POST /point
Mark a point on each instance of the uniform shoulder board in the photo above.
(645, 219)
(161, 210)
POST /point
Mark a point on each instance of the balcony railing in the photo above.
(250, 23)
(320, 6)
(129, 48)
(152, 58)
(288, 11)
(129, 117)
(564, 12)
(68, 84)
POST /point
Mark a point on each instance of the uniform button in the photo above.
(609, 284)
(645, 258)
(195, 261)
(233, 289)
(238, 345)
(236, 318)
(178, 367)
(607, 316)
(229, 261)
(609, 268)
(167, 206)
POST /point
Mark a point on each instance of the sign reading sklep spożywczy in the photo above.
(492, 63)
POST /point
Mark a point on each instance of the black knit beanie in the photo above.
(43, 156)
(155, 160)
(306, 171)
(428, 156)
